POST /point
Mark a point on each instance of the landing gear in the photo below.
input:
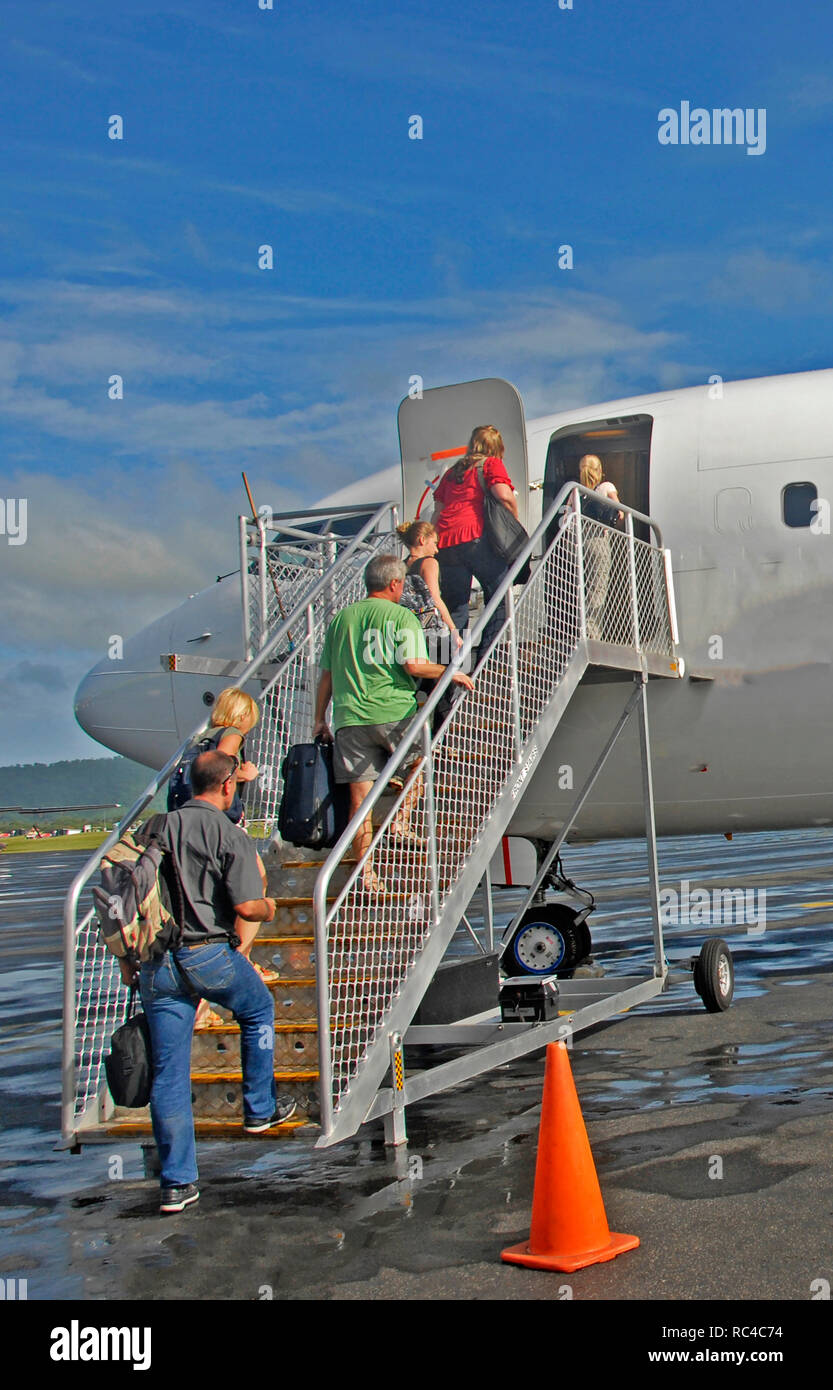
(714, 975)
(585, 941)
(546, 941)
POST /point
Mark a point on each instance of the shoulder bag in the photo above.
(504, 532)
(129, 1064)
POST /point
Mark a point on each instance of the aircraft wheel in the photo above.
(714, 975)
(545, 940)
(585, 941)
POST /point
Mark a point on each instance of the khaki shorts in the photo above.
(361, 750)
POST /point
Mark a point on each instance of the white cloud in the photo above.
(84, 356)
(112, 551)
(45, 58)
(773, 283)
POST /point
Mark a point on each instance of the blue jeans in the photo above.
(459, 564)
(222, 975)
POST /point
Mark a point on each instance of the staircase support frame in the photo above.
(344, 1112)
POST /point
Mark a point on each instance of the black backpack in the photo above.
(179, 786)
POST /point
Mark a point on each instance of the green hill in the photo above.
(81, 781)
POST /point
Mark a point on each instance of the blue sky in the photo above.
(392, 257)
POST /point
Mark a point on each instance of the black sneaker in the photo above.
(173, 1199)
(284, 1110)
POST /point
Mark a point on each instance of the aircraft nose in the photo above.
(127, 704)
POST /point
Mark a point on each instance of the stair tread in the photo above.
(206, 1128)
(372, 932)
(304, 1027)
(310, 863)
(280, 1074)
(282, 940)
(298, 902)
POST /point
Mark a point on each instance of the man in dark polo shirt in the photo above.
(218, 872)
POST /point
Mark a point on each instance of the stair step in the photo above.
(299, 879)
(294, 1001)
(217, 1049)
(234, 1028)
(292, 956)
(131, 1122)
(219, 1095)
(287, 1076)
(298, 902)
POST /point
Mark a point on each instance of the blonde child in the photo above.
(234, 716)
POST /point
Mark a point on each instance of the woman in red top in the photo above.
(465, 552)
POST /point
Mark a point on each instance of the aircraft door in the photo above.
(434, 432)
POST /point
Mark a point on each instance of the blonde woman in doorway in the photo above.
(596, 542)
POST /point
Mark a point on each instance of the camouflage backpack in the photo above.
(134, 901)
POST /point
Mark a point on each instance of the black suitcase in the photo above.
(315, 809)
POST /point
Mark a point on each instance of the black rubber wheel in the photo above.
(585, 941)
(714, 975)
(545, 941)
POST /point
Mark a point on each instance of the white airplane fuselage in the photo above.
(742, 741)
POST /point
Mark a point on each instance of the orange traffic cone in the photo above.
(569, 1226)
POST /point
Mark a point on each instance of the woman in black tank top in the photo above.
(421, 593)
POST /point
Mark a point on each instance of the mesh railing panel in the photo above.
(290, 571)
(652, 598)
(548, 627)
(608, 603)
(99, 1009)
(382, 918)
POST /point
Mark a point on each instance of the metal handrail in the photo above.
(354, 509)
(71, 925)
(419, 734)
(293, 532)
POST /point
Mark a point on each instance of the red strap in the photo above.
(507, 863)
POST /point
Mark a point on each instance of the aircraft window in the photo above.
(797, 503)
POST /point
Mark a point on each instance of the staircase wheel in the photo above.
(714, 975)
(545, 940)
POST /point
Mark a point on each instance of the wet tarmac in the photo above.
(711, 1132)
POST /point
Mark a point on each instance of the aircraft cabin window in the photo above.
(797, 503)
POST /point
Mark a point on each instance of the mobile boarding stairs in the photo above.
(354, 964)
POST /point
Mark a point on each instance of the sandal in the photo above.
(269, 977)
(208, 1018)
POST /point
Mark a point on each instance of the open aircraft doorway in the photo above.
(624, 447)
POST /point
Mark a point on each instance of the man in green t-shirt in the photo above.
(374, 653)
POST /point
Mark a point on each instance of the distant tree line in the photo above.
(76, 782)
